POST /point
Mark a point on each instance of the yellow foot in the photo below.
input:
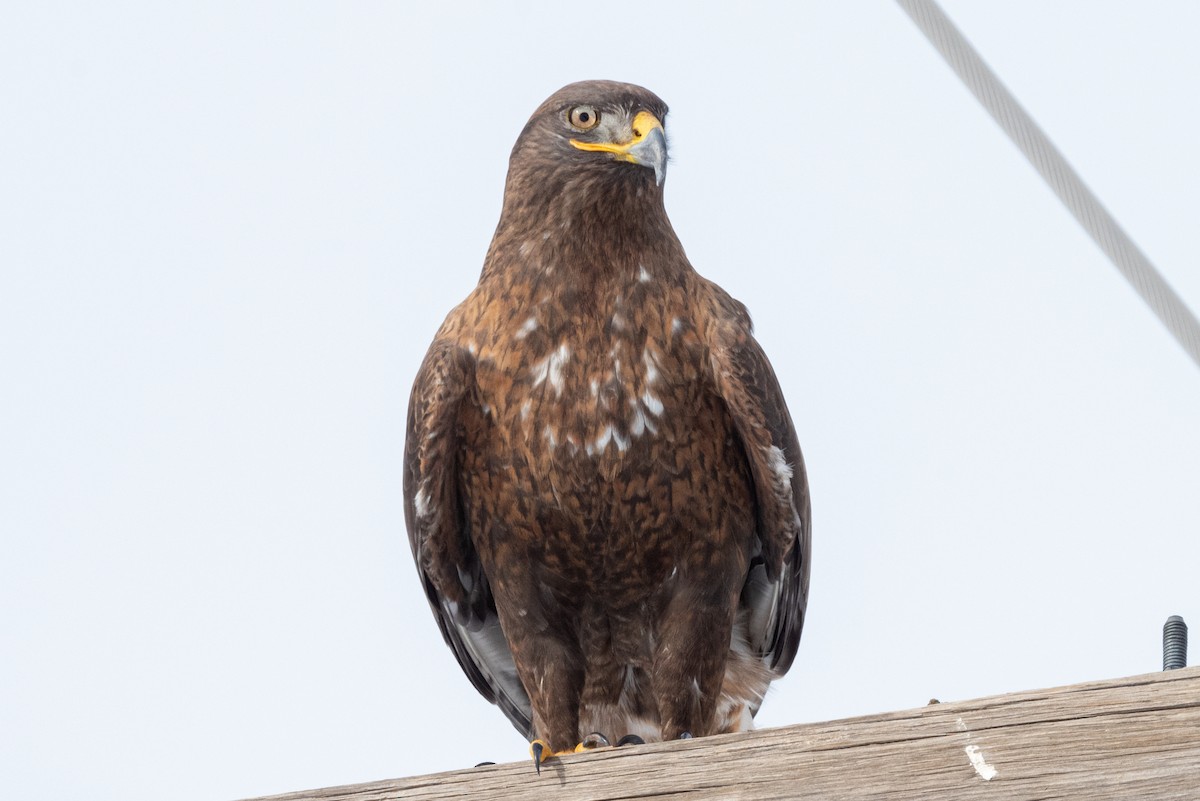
(540, 749)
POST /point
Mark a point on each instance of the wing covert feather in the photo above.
(776, 592)
(449, 568)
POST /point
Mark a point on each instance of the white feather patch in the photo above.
(652, 403)
(650, 359)
(779, 465)
(421, 500)
(551, 368)
(528, 327)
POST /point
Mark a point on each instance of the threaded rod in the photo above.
(1174, 643)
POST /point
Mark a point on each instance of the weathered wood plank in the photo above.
(1137, 737)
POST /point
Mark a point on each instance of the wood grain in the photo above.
(1136, 737)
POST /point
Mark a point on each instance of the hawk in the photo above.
(604, 493)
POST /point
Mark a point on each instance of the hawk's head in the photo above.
(597, 127)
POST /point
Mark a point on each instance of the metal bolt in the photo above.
(1174, 643)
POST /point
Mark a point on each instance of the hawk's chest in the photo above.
(595, 384)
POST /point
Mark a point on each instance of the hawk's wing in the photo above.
(437, 531)
(776, 592)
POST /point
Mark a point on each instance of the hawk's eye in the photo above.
(585, 118)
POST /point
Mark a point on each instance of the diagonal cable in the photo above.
(1055, 170)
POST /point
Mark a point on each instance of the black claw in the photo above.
(537, 748)
(595, 740)
(630, 739)
(687, 735)
(481, 764)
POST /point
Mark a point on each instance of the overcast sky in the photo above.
(229, 231)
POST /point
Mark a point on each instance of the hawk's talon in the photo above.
(540, 751)
(630, 739)
(687, 735)
(592, 741)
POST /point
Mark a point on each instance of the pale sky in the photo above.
(228, 232)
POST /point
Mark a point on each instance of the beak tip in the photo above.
(652, 152)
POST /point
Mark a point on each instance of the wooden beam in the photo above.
(1137, 737)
